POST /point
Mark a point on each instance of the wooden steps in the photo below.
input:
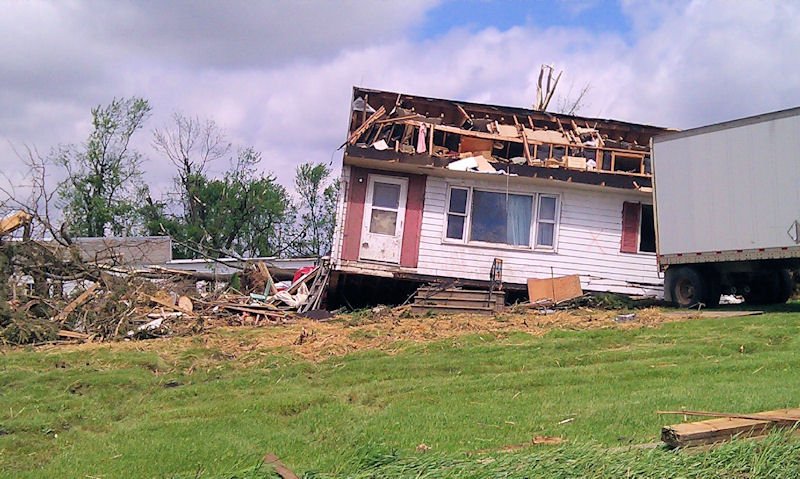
(722, 429)
(453, 301)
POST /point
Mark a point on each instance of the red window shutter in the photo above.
(630, 227)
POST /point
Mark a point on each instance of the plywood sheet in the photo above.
(470, 144)
(556, 289)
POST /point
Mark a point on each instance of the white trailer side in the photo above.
(727, 201)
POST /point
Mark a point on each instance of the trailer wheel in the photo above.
(687, 287)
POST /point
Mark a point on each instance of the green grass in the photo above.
(106, 412)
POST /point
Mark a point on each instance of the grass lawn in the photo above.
(109, 411)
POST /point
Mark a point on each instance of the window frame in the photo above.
(554, 221)
(465, 215)
(534, 228)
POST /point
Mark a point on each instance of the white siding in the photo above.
(587, 242)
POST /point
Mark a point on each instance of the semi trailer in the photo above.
(726, 201)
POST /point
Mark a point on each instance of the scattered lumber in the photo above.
(185, 303)
(252, 309)
(13, 222)
(549, 440)
(167, 304)
(82, 298)
(73, 335)
(726, 426)
(303, 280)
(270, 284)
(361, 129)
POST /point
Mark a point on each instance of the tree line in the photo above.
(242, 212)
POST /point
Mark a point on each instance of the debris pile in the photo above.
(53, 292)
(133, 307)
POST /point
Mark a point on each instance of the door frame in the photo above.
(401, 213)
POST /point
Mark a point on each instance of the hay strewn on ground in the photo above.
(389, 330)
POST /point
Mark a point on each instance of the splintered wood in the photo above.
(721, 429)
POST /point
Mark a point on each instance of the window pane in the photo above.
(488, 217)
(455, 226)
(383, 222)
(518, 219)
(544, 236)
(386, 195)
(458, 200)
(547, 208)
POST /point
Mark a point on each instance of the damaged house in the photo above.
(437, 190)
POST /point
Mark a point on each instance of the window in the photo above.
(457, 213)
(385, 204)
(638, 229)
(546, 221)
(503, 218)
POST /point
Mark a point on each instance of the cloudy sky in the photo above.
(278, 75)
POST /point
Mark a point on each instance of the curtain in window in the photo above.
(518, 219)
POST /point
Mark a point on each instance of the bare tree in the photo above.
(190, 144)
(569, 105)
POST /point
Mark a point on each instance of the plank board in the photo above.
(712, 431)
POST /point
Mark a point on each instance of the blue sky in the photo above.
(590, 15)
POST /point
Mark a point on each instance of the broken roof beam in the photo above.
(361, 129)
(476, 134)
(526, 149)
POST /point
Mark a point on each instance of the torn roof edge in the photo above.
(511, 109)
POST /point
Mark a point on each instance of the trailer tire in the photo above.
(687, 287)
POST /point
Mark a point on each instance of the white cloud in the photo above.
(286, 90)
